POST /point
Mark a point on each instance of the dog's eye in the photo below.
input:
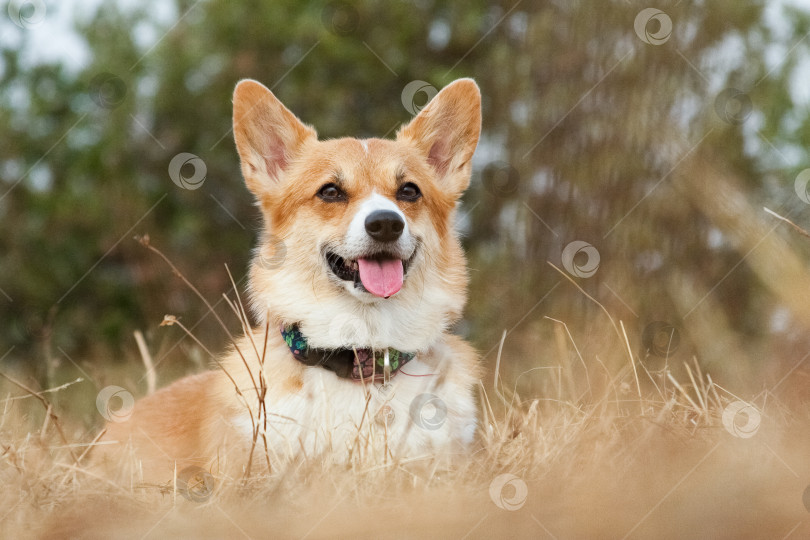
(408, 192)
(331, 193)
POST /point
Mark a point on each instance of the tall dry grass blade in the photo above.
(588, 296)
(144, 241)
(713, 388)
(171, 320)
(611, 386)
(633, 364)
(239, 310)
(6, 405)
(92, 444)
(90, 473)
(262, 396)
(496, 381)
(261, 389)
(661, 393)
(11, 398)
(683, 392)
(732, 394)
(242, 313)
(697, 388)
(581, 360)
(174, 485)
(562, 358)
(48, 411)
(701, 380)
(146, 357)
(492, 419)
(786, 220)
(45, 423)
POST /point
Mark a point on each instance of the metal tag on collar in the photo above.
(386, 368)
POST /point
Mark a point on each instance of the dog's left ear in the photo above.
(446, 131)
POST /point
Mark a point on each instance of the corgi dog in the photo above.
(357, 278)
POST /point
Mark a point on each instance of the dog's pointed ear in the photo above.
(446, 132)
(268, 136)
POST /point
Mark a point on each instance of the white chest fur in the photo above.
(420, 412)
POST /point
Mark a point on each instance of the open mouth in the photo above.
(381, 274)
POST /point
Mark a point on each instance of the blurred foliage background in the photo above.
(593, 124)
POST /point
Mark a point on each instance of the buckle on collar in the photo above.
(386, 368)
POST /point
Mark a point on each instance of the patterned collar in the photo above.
(354, 364)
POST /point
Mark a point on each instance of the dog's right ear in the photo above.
(268, 136)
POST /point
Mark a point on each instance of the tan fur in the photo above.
(207, 419)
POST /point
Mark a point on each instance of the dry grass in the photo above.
(638, 455)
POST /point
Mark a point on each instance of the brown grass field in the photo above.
(639, 454)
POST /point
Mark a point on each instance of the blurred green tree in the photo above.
(586, 116)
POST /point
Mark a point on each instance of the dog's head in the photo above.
(359, 245)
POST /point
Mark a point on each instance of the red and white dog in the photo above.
(358, 275)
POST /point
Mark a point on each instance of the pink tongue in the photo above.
(381, 278)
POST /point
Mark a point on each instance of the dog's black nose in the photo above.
(384, 225)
